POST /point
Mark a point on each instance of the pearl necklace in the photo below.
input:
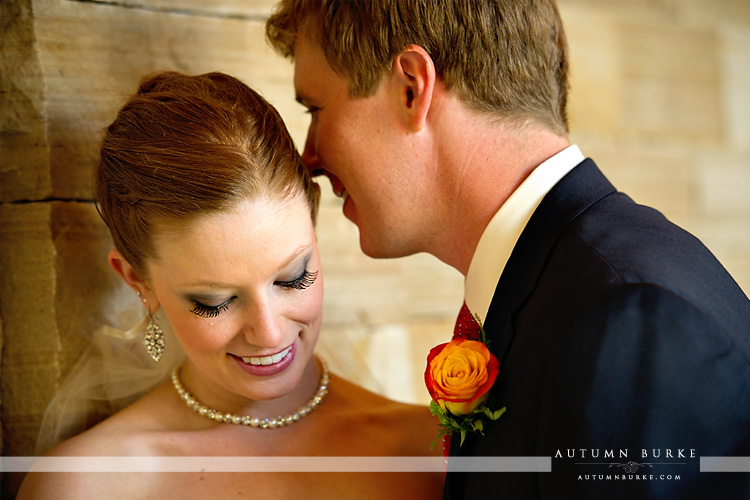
(262, 423)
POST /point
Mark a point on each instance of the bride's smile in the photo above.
(267, 365)
(243, 292)
(266, 360)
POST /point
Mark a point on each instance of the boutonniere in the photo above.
(459, 376)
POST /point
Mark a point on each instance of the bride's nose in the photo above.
(265, 325)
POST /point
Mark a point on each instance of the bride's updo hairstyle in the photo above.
(186, 146)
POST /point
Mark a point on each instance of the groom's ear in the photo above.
(122, 267)
(413, 81)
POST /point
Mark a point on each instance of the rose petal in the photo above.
(457, 372)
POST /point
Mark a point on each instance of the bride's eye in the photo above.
(304, 280)
(205, 311)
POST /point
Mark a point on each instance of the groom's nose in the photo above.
(310, 154)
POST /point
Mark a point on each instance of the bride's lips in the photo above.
(267, 365)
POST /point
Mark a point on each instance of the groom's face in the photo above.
(362, 147)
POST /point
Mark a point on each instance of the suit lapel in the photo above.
(577, 191)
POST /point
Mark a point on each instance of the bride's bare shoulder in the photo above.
(407, 429)
(131, 432)
(357, 397)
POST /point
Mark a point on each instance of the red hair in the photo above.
(185, 146)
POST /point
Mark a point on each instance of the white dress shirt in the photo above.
(503, 231)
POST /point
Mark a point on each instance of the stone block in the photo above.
(670, 83)
(595, 94)
(388, 358)
(24, 152)
(2, 433)
(86, 58)
(735, 70)
(240, 9)
(654, 177)
(715, 12)
(30, 368)
(739, 268)
(360, 289)
(56, 289)
(729, 241)
(723, 181)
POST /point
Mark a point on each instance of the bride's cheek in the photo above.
(204, 334)
(312, 310)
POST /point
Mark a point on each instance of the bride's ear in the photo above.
(122, 267)
(125, 270)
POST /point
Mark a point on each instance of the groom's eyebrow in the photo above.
(301, 98)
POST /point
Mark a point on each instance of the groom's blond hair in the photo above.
(505, 57)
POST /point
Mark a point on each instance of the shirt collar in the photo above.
(503, 231)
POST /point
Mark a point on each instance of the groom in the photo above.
(624, 346)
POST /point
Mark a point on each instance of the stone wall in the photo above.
(659, 98)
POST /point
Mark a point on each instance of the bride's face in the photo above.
(243, 292)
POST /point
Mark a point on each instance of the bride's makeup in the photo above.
(243, 292)
(276, 362)
(202, 304)
(207, 311)
(301, 282)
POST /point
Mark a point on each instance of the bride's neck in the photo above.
(273, 398)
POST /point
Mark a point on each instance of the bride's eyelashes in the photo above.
(301, 282)
(205, 311)
(304, 280)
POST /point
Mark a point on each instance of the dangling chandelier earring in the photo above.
(154, 340)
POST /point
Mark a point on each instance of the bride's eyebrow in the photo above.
(300, 250)
(213, 284)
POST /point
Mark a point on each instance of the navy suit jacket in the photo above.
(621, 339)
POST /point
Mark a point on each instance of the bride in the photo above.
(212, 216)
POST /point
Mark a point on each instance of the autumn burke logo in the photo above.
(624, 461)
(624, 454)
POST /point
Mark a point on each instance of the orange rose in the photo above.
(460, 374)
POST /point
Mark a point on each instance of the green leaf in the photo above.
(435, 408)
(435, 441)
(498, 413)
(482, 333)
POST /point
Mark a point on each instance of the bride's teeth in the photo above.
(267, 360)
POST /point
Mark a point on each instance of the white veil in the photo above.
(114, 371)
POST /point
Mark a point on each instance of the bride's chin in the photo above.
(297, 381)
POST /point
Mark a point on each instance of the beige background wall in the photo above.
(659, 99)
